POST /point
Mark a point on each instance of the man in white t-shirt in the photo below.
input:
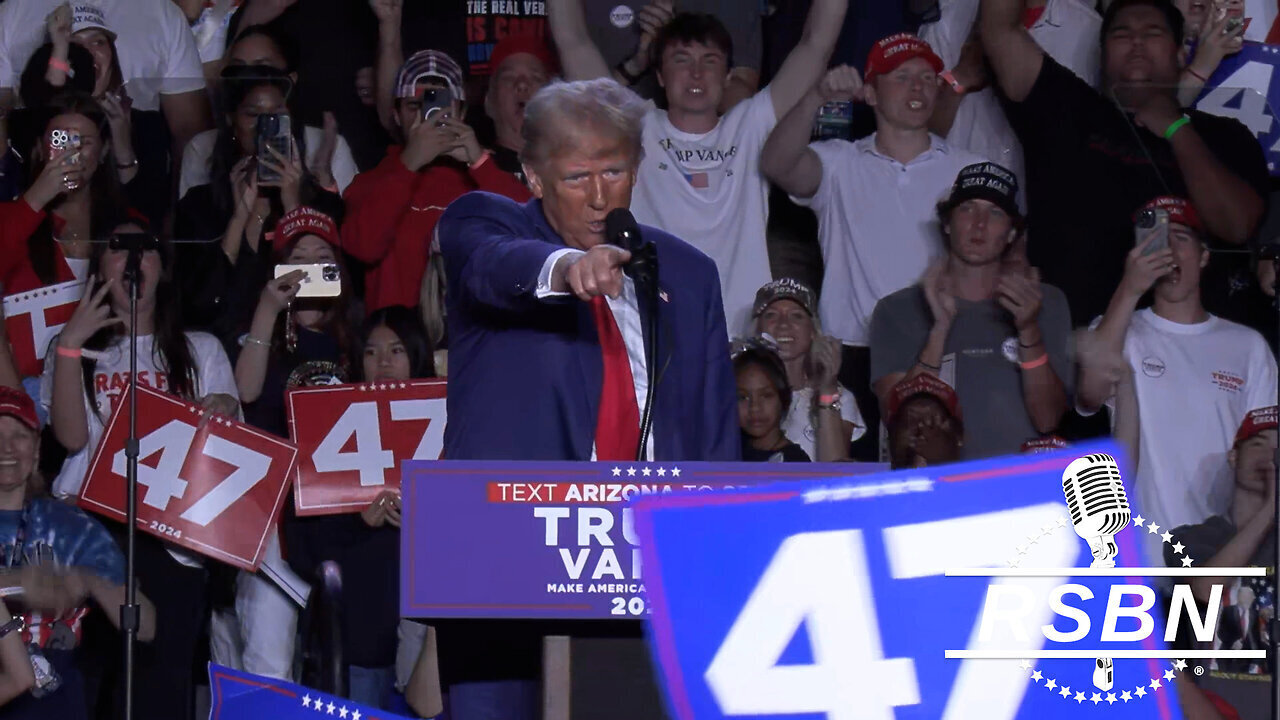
(700, 177)
(968, 112)
(158, 58)
(1195, 374)
(875, 198)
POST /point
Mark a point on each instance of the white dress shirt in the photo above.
(626, 312)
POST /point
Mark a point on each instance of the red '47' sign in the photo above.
(351, 439)
(216, 490)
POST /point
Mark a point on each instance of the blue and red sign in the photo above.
(545, 540)
(240, 695)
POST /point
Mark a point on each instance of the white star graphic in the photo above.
(1167, 536)
(342, 712)
(1138, 521)
(617, 471)
(662, 472)
(1037, 676)
(1186, 561)
(318, 706)
(1065, 691)
(1141, 691)
(331, 707)
(631, 472)
(675, 472)
(1014, 562)
(1155, 684)
(1095, 699)
(306, 701)
(1051, 683)
(1025, 665)
(1111, 698)
(1022, 549)
(1079, 697)
(1179, 665)
(1125, 696)
(1168, 674)
(646, 472)
(355, 715)
(1153, 528)
(1046, 529)
(1178, 548)
(1062, 522)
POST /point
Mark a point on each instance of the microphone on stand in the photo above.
(1099, 509)
(621, 229)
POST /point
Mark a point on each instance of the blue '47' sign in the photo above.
(846, 599)
(1245, 87)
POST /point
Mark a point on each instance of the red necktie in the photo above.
(618, 423)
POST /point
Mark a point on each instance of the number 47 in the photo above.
(369, 458)
(820, 581)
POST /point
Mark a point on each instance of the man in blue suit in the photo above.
(547, 350)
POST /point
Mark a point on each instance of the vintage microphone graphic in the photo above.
(1099, 509)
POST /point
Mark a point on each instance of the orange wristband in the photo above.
(1033, 364)
(65, 352)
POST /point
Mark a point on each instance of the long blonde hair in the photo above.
(431, 299)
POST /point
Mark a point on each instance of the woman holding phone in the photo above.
(73, 198)
(257, 178)
(84, 378)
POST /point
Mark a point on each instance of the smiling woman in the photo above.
(37, 535)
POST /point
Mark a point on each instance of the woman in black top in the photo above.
(223, 279)
(763, 396)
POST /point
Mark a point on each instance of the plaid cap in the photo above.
(986, 181)
(1264, 418)
(887, 54)
(429, 64)
(18, 404)
(784, 289)
(923, 384)
(85, 16)
(1045, 444)
(520, 43)
(1180, 211)
(304, 220)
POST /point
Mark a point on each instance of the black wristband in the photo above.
(927, 366)
(621, 69)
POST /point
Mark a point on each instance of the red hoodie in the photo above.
(391, 216)
(17, 221)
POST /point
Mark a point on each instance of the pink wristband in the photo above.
(62, 66)
(69, 353)
(1033, 364)
(828, 399)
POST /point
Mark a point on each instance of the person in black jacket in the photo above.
(236, 212)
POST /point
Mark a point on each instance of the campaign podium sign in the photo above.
(210, 484)
(545, 540)
(870, 597)
(32, 319)
(351, 439)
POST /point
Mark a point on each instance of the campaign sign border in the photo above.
(431, 492)
(682, 662)
(121, 415)
(300, 505)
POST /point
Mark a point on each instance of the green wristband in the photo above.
(1175, 126)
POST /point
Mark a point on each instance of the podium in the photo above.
(556, 542)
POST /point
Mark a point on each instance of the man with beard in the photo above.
(1195, 375)
(1111, 150)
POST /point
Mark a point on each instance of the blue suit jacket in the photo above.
(525, 374)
